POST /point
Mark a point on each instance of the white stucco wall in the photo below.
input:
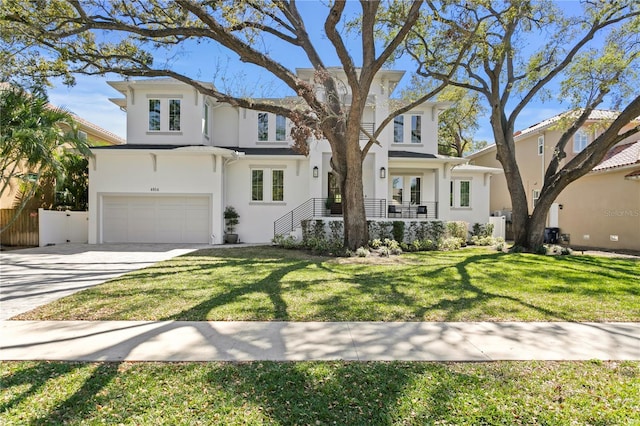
(478, 212)
(191, 110)
(136, 173)
(257, 217)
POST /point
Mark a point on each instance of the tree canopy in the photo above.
(128, 37)
(519, 51)
(33, 136)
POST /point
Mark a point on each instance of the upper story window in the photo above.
(272, 127)
(535, 195)
(174, 114)
(398, 129)
(154, 114)
(540, 145)
(281, 127)
(580, 141)
(167, 120)
(205, 119)
(416, 129)
(82, 135)
(263, 126)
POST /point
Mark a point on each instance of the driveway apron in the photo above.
(33, 277)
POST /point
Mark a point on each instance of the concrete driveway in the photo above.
(33, 277)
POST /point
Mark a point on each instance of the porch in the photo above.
(375, 209)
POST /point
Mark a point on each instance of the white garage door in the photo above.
(155, 219)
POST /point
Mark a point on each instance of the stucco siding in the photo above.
(597, 208)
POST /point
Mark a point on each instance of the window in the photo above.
(535, 194)
(415, 190)
(465, 194)
(281, 128)
(398, 129)
(257, 185)
(82, 135)
(416, 129)
(451, 194)
(260, 188)
(263, 126)
(580, 140)
(277, 185)
(205, 119)
(154, 114)
(334, 188)
(397, 187)
(540, 145)
(174, 114)
(460, 194)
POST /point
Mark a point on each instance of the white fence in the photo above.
(63, 227)
(499, 226)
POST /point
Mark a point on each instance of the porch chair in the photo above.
(421, 210)
(394, 210)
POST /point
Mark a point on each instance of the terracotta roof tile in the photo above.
(620, 156)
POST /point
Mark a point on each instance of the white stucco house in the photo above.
(187, 157)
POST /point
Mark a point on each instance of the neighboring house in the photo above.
(187, 157)
(600, 209)
(96, 136)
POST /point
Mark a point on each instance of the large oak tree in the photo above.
(123, 36)
(532, 50)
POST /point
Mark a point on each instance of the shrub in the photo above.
(500, 246)
(384, 251)
(542, 250)
(377, 243)
(362, 252)
(482, 230)
(457, 229)
(451, 243)
(337, 231)
(398, 231)
(288, 242)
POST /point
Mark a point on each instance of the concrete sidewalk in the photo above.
(298, 341)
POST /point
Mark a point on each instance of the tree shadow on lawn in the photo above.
(355, 393)
(74, 408)
(453, 298)
(271, 286)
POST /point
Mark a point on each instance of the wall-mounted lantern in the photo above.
(315, 172)
(383, 173)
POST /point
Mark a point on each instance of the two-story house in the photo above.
(188, 157)
(602, 208)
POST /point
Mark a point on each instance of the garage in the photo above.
(156, 219)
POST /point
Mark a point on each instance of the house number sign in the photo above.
(154, 189)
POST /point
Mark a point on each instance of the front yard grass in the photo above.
(271, 284)
(314, 393)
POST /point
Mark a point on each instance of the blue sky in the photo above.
(89, 98)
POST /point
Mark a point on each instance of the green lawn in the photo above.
(321, 393)
(266, 283)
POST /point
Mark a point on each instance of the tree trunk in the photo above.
(356, 231)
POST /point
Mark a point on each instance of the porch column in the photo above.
(443, 182)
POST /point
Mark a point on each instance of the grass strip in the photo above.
(354, 393)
